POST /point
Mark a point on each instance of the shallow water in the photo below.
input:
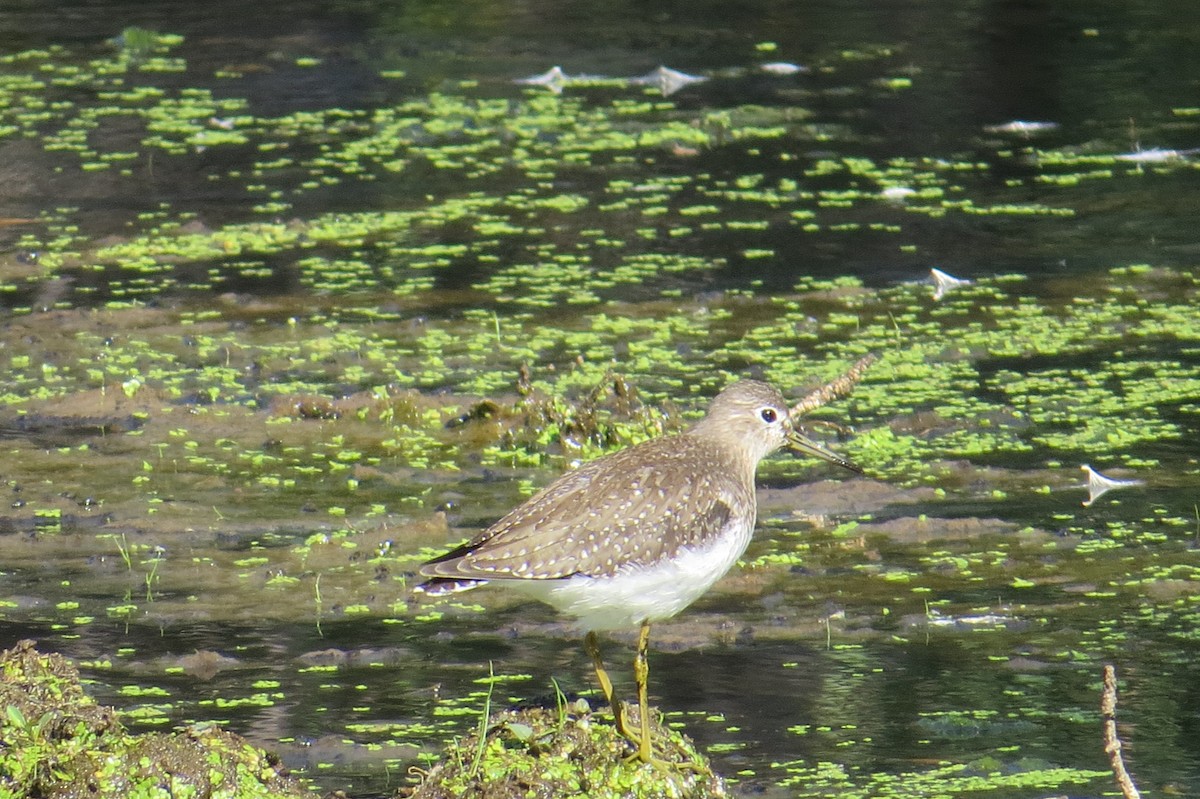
(249, 278)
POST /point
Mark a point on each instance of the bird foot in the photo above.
(644, 750)
(668, 766)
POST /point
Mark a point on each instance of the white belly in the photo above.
(636, 594)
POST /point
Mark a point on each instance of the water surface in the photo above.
(249, 276)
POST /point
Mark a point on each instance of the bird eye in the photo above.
(768, 415)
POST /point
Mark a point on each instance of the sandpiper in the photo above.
(636, 536)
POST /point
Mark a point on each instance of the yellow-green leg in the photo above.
(592, 644)
(641, 675)
(641, 672)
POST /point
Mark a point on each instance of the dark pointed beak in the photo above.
(802, 443)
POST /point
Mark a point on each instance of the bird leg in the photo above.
(641, 671)
(641, 675)
(592, 644)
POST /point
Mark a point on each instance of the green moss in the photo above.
(57, 742)
(565, 752)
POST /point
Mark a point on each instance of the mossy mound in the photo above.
(552, 753)
(57, 742)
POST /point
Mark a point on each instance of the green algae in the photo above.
(987, 776)
(540, 140)
(59, 742)
(1116, 405)
(308, 433)
(565, 752)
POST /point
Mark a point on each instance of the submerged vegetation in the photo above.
(295, 357)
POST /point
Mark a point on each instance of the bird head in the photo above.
(756, 416)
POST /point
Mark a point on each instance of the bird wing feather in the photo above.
(594, 520)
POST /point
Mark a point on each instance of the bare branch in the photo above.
(1112, 744)
(835, 388)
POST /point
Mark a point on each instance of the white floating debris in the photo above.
(1155, 155)
(1022, 127)
(897, 193)
(782, 68)
(944, 283)
(936, 619)
(667, 80)
(553, 79)
(1098, 484)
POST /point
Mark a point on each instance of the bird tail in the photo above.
(444, 586)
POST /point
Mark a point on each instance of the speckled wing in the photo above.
(641, 504)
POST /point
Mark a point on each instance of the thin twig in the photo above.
(835, 388)
(1112, 744)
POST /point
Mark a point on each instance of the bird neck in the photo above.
(735, 453)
